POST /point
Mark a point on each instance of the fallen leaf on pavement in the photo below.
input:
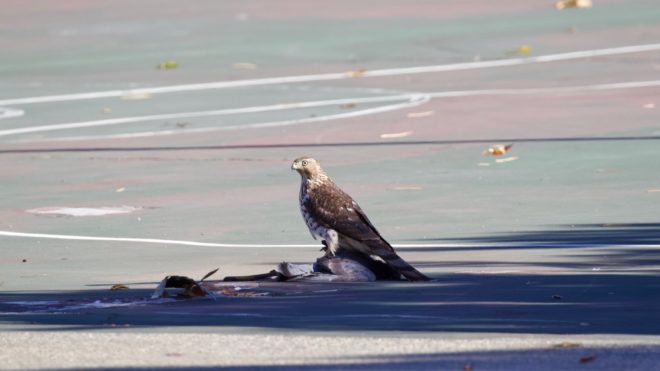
(356, 73)
(119, 286)
(168, 65)
(498, 149)
(563, 4)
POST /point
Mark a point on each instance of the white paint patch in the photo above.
(338, 76)
(84, 211)
(6, 112)
(210, 244)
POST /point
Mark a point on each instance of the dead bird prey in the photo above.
(333, 215)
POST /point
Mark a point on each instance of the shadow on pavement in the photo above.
(620, 298)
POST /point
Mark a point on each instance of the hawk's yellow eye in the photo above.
(304, 163)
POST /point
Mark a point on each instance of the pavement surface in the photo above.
(117, 171)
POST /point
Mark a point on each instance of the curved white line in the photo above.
(231, 245)
(6, 112)
(413, 99)
(338, 76)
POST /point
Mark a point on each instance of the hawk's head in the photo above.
(307, 167)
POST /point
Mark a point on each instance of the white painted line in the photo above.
(84, 211)
(414, 99)
(558, 89)
(338, 76)
(229, 245)
(411, 101)
(6, 112)
(137, 240)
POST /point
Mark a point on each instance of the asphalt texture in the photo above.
(183, 119)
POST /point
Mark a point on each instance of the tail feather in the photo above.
(401, 266)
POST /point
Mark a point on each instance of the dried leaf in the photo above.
(168, 65)
(653, 190)
(395, 135)
(498, 149)
(356, 73)
(563, 4)
(209, 274)
(348, 105)
(413, 115)
(587, 359)
(244, 66)
(182, 124)
(524, 49)
(119, 286)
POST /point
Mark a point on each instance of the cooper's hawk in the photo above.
(333, 215)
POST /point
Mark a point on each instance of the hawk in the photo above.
(333, 215)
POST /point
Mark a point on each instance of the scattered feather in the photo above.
(119, 190)
(209, 274)
(413, 115)
(506, 159)
(402, 134)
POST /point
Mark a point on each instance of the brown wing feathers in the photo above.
(337, 210)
